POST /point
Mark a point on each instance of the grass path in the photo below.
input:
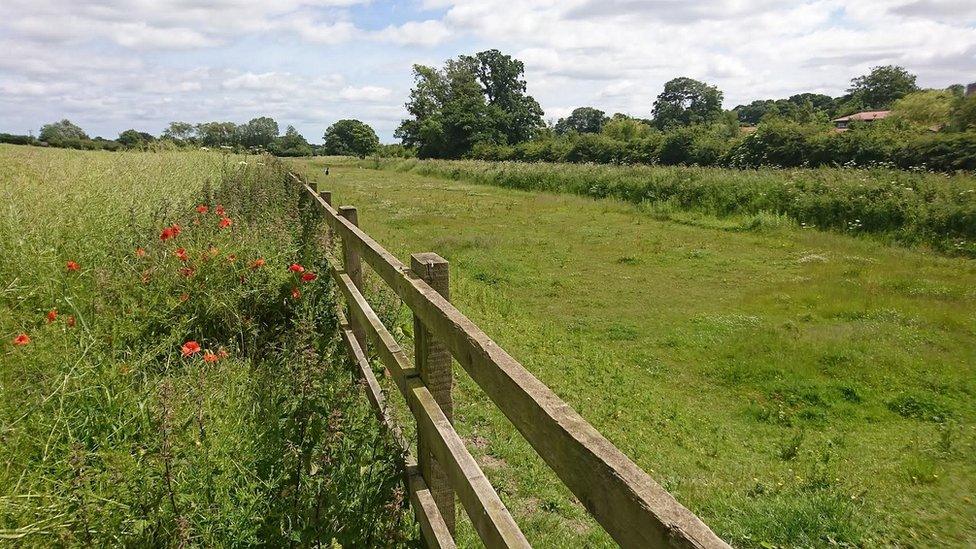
(790, 386)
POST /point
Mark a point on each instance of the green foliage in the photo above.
(59, 132)
(882, 86)
(929, 109)
(180, 131)
(218, 134)
(133, 138)
(350, 138)
(582, 120)
(964, 115)
(258, 132)
(624, 128)
(290, 144)
(686, 102)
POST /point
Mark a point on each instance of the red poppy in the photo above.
(140, 252)
(190, 348)
(203, 208)
(184, 297)
(21, 339)
(52, 315)
(176, 229)
(210, 357)
(226, 222)
(308, 277)
(295, 294)
(223, 353)
(219, 210)
(181, 253)
(258, 263)
(186, 271)
(167, 234)
(296, 268)
(70, 321)
(72, 266)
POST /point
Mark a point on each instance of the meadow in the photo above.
(168, 364)
(794, 387)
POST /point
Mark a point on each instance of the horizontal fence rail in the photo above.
(634, 509)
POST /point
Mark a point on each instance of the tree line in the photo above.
(478, 107)
(346, 137)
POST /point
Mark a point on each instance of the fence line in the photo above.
(628, 504)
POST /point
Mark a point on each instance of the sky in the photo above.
(110, 65)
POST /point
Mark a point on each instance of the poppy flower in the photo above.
(203, 208)
(52, 315)
(210, 357)
(176, 229)
(21, 339)
(219, 210)
(186, 271)
(72, 266)
(223, 353)
(296, 268)
(258, 263)
(167, 234)
(181, 254)
(226, 222)
(184, 297)
(295, 294)
(308, 277)
(70, 321)
(140, 252)
(190, 348)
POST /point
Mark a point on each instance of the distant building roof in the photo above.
(864, 116)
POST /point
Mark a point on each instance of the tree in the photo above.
(290, 144)
(350, 138)
(686, 102)
(179, 131)
(474, 98)
(133, 138)
(218, 134)
(625, 128)
(61, 131)
(964, 115)
(882, 86)
(929, 109)
(259, 132)
(582, 120)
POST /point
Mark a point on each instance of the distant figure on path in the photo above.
(326, 170)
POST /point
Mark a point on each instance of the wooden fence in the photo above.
(628, 504)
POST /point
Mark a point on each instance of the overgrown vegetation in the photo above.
(908, 207)
(166, 378)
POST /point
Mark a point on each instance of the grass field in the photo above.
(791, 386)
(115, 430)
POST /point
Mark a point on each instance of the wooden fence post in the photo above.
(433, 361)
(353, 266)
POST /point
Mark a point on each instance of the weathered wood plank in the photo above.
(634, 509)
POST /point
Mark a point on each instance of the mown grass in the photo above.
(109, 435)
(794, 387)
(914, 208)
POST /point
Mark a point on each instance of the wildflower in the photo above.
(295, 294)
(296, 268)
(72, 266)
(140, 252)
(219, 210)
(176, 229)
(184, 297)
(70, 321)
(52, 315)
(203, 208)
(190, 348)
(258, 263)
(186, 271)
(210, 357)
(21, 339)
(223, 353)
(181, 254)
(226, 222)
(166, 234)
(308, 277)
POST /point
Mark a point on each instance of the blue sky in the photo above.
(109, 65)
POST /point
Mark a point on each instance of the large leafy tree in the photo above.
(218, 134)
(291, 144)
(582, 120)
(882, 86)
(474, 98)
(259, 132)
(685, 102)
(61, 131)
(350, 138)
(134, 138)
(180, 131)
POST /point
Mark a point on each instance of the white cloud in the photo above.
(365, 93)
(417, 33)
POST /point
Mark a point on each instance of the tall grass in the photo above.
(907, 207)
(109, 433)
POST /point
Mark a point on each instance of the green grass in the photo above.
(917, 208)
(108, 435)
(793, 387)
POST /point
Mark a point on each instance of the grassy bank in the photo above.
(165, 379)
(793, 387)
(908, 207)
